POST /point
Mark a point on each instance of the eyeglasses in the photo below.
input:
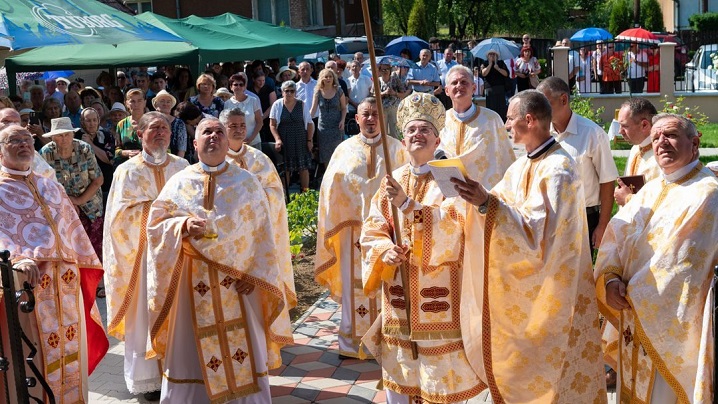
(610, 47)
(20, 140)
(526, 39)
(289, 91)
(411, 131)
(238, 83)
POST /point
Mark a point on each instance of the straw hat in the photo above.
(62, 79)
(222, 91)
(59, 126)
(89, 90)
(118, 106)
(422, 107)
(286, 69)
(164, 94)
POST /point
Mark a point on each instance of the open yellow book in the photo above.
(444, 170)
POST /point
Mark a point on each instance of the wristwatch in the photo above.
(483, 208)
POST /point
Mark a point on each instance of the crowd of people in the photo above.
(170, 186)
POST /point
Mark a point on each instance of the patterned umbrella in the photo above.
(637, 35)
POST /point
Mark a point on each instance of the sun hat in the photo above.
(62, 79)
(286, 69)
(164, 94)
(222, 91)
(26, 111)
(118, 106)
(59, 126)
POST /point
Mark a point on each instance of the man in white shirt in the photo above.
(588, 144)
(359, 86)
(573, 63)
(443, 65)
(637, 64)
(306, 84)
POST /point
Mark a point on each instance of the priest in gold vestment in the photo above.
(654, 271)
(351, 180)
(50, 249)
(634, 119)
(529, 318)
(217, 303)
(257, 163)
(136, 183)
(473, 133)
(431, 246)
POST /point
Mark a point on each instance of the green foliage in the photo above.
(621, 17)
(584, 107)
(676, 107)
(302, 212)
(396, 15)
(652, 16)
(418, 22)
(544, 69)
(704, 22)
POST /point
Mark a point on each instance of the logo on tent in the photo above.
(58, 19)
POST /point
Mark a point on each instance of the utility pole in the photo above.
(636, 13)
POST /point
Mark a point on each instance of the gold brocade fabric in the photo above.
(38, 222)
(529, 315)
(482, 144)
(642, 161)
(441, 374)
(262, 167)
(134, 186)
(243, 250)
(662, 245)
(344, 200)
(41, 168)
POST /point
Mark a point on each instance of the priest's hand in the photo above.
(616, 295)
(395, 256)
(621, 193)
(244, 288)
(30, 270)
(472, 191)
(396, 194)
(195, 227)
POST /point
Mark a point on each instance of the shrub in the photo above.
(704, 22)
(676, 107)
(584, 107)
(418, 24)
(302, 212)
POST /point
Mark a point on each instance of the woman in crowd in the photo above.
(267, 97)
(116, 114)
(584, 70)
(182, 85)
(51, 109)
(89, 94)
(654, 70)
(250, 105)
(164, 102)
(102, 142)
(330, 100)
(392, 92)
(293, 131)
(77, 171)
(205, 100)
(127, 144)
(190, 115)
(527, 67)
(494, 71)
(285, 73)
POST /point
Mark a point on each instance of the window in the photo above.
(139, 5)
(272, 11)
(314, 8)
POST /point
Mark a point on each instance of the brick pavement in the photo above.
(311, 371)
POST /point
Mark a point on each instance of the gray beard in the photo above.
(158, 154)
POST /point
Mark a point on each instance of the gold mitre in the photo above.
(421, 106)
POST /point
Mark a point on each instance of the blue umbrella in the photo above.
(592, 35)
(414, 44)
(392, 60)
(505, 49)
(57, 74)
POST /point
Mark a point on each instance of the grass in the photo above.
(709, 138)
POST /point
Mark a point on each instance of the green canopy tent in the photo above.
(226, 37)
(229, 37)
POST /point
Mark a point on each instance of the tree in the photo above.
(396, 15)
(418, 23)
(652, 16)
(621, 17)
